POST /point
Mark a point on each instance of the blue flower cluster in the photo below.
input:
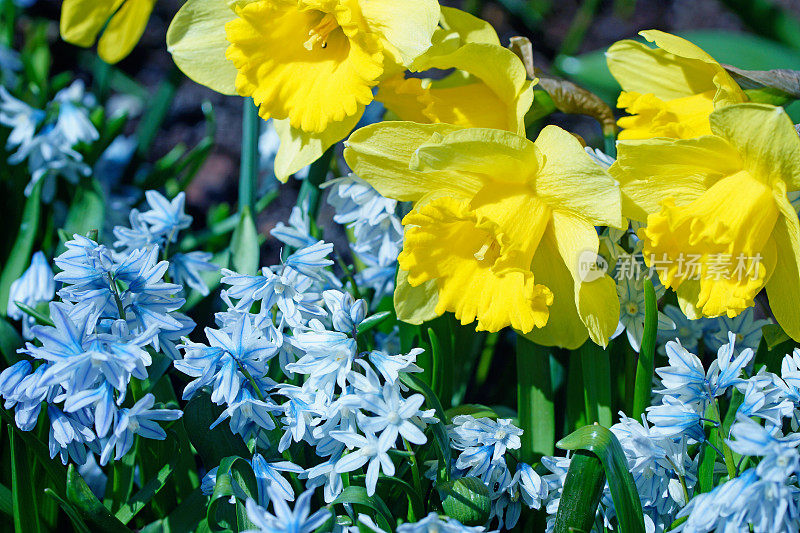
(482, 446)
(116, 313)
(47, 138)
(663, 452)
(329, 391)
(376, 227)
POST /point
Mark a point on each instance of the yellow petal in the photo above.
(565, 327)
(765, 137)
(310, 81)
(724, 232)
(676, 69)
(124, 30)
(496, 93)
(407, 26)
(571, 181)
(299, 148)
(447, 242)
(499, 155)
(783, 288)
(470, 29)
(680, 118)
(649, 171)
(597, 302)
(197, 41)
(415, 305)
(408, 98)
(381, 154)
(82, 20)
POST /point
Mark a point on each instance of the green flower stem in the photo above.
(535, 408)
(646, 366)
(248, 174)
(727, 454)
(412, 460)
(310, 192)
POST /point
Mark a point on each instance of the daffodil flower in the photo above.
(719, 224)
(671, 90)
(311, 65)
(488, 89)
(121, 22)
(499, 228)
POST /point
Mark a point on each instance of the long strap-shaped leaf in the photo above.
(604, 445)
(93, 512)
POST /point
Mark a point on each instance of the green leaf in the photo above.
(442, 441)
(235, 478)
(472, 409)
(535, 408)
(373, 321)
(52, 468)
(40, 317)
(6, 501)
(583, 488)
(358, 496)
(74, 516)
(22, 249)
(597, 383)
(146, 493)
(774, 335)
(244, 245)
(186, 516)
(120, 479)
(88, 209)
(645, 366)
(90, 508)
(23, 488)
(10, 340)
(767, 18)
(213, 445)
(602, 443)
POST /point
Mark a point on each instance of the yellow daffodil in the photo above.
(121, 21)
(499, 227)
(488, 89)
(670, 90)
(309, 64)
(719, 224)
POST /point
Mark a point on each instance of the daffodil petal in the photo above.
(196, 39)
(407, 26)
(499, 155)
(650, 170)
(565, 328)
(124, 30)
(415, 305)
(596, 300)
(82, 20)
(783, 287)
(765, 137)
(381, 154)
(676, 69)
(568, 168)
(469, 28)
(499, 69)
(300, 148)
